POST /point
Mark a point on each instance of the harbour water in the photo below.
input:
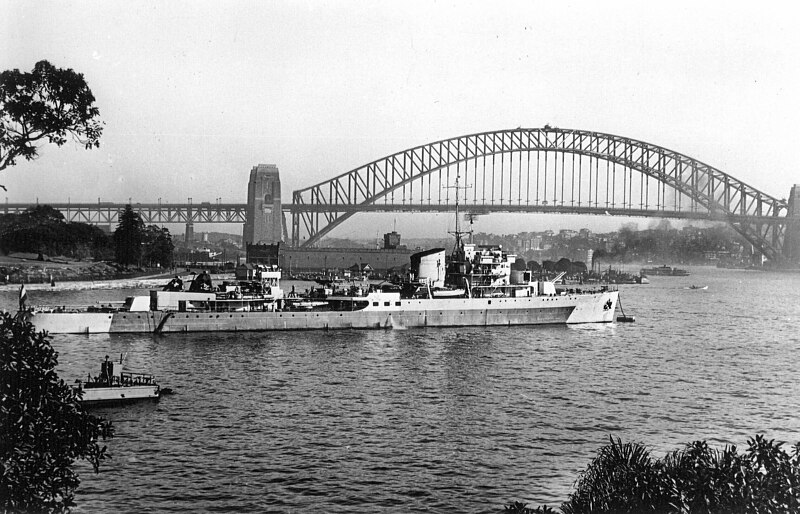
(438, 420)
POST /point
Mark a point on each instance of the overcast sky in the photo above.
(194, 94)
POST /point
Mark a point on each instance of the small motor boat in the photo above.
(115, 386)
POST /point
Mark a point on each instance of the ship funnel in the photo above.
(429, 266)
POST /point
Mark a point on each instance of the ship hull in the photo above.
(105, 396)
(405, 313)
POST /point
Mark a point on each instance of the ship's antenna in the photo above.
(457, 232)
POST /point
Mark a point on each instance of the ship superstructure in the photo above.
(476, 285)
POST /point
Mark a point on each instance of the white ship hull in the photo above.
(382, 310)
(115, 395)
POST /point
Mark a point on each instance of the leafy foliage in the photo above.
(522, 508)
(46, 105)
(44, 427)
(42, 229)
(128, 237)
(158, 246)
(136, 244)
(564, 265)
(519, 264)
(622, 478)
(697, 479)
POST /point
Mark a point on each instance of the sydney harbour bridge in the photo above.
(522, 170)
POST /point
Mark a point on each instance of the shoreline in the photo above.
(16, 271)
(150, 281)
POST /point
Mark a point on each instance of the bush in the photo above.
(43, 425)
(522, 508)
(624, 478)
(697, 479)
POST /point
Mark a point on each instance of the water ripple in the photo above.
(429, 420)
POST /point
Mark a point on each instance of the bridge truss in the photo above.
(543, 170)
(107, 213)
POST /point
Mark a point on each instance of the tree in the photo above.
(41, 215)
(519, 264)
(42, 229)
(128, 237)
(563, 265)
(46, 105)
(158, 246)
(579, 267)
(43, 425)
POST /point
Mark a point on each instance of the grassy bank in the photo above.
(29, 269)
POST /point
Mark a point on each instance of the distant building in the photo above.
(295, 260)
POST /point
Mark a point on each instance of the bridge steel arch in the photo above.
(543, 170)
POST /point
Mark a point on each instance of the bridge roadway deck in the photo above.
(104, 213)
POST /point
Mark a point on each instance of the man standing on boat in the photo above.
(23, 297)
(107, 371)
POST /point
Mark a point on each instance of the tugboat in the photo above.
(114, 386)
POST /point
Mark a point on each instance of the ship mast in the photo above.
(457, 233)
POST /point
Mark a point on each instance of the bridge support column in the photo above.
(264, 215)
(189, 236)
(791, 238)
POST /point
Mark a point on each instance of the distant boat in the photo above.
(664, 271)
(697, 287)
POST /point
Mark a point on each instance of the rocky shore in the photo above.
(17, 270)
